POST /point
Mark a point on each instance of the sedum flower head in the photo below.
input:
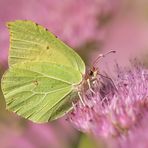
(137, 137)
(116, 107)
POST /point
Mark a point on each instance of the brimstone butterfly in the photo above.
(44, 76)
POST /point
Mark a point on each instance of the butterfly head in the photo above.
(93, 72)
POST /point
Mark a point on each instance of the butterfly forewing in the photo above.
(32, 42)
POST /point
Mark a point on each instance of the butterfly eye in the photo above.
(91, 73)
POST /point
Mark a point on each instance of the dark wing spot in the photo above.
(47, 47)
(46, 29)
(36, 83)
(36, 24)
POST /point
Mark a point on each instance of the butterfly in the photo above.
(45, 75)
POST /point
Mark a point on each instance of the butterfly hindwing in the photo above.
(40, 91)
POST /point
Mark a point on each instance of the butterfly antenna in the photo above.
(102, 56)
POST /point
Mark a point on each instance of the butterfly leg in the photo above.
(81, 99)
(89, 85)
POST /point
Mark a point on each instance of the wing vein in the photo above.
(20, 40)
(47, 76)
(54, 104)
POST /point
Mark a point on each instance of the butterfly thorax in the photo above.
(92, 73)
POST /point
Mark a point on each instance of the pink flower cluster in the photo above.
(137, 137)
(117, 106)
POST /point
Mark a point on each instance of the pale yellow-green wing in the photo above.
(32, 42)
(40, 91)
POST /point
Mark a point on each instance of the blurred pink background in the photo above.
(91, 27)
